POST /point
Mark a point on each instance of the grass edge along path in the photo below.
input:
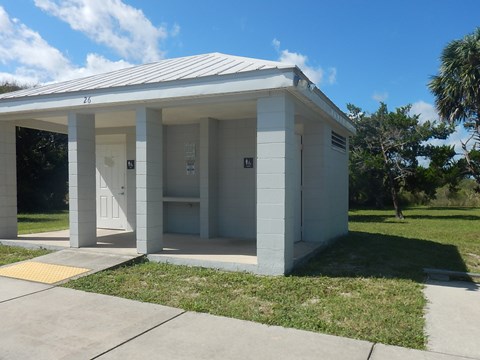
(13, 254)
(368, 285)
(388, 311)
(31, 223)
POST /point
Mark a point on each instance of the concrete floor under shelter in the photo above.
(178, 248)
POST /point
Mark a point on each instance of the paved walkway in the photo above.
(47, 322)
(453, 317)
(43, 321)
(60, 266)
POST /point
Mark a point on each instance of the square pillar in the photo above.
(149, 179)
(81, 179)
(8, 182)
(275, 184)
(208, 178)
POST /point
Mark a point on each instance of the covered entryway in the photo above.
(220, 149)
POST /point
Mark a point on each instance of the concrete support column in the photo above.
(275, 182)
(81, 177)
(8, 182)
(149, 180)
(208, 178)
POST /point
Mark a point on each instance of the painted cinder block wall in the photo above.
(236, 184)
(325, 180)
(181, 218)
(325, 184)
(8, 182)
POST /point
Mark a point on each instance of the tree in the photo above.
(457, 93)
(385, 152)
(42, 166)
(7, 86)
(42, 170)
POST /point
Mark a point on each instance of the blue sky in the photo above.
(358, 51)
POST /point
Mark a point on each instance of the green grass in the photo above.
(368, 285)
(447, 238)
(37, 223)
(11, 254)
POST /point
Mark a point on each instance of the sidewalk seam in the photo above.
(371, 351)
(32, 293)
(138, 335)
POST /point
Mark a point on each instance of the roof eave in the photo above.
(84, 100)
(312, 95)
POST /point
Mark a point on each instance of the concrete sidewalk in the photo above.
(46, 322)
(61, 266)
(453, 317)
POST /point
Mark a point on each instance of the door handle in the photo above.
(122, 193)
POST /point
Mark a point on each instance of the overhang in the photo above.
(195, 80)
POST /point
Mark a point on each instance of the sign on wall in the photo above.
(190, 158)
(248, 163)
(130, 164)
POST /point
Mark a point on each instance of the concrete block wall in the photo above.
(236, 184)
(149, 180)
(131, 182)
(8, 182)
(208, 177)
(183, 218)
(81, 177)
(275, 184)
(325, 185)
(337, 179)
(177, 182)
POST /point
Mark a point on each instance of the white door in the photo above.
(111, 192)
(297, 204)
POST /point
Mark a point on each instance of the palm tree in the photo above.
(457, 92)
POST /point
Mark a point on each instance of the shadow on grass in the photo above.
(373, 218)
(362, 254)
(446, 217)
(36, 220)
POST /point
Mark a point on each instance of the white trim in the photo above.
(265, 80)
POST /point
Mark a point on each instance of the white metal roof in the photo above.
(190, 67)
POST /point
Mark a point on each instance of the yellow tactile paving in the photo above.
(41, 272)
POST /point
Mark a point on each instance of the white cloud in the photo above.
(380, 96)
(276, 44)
(426, 111)
(95, 64)
(332, 75)
(175, 30)
(112, 23)
(35, 61)
(315, 74)
(36, 57)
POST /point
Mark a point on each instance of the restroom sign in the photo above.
(248, 163)
(190, 167)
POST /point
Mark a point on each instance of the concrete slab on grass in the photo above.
(453, 317)
(386, 352)
(13, 288)
(68, 324)
(202, 336)
(85, 259)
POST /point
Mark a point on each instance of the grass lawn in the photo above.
(368, 285)
(37, 223)
(11, 254)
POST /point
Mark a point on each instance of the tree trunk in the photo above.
(393, 188)
(396, 203)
